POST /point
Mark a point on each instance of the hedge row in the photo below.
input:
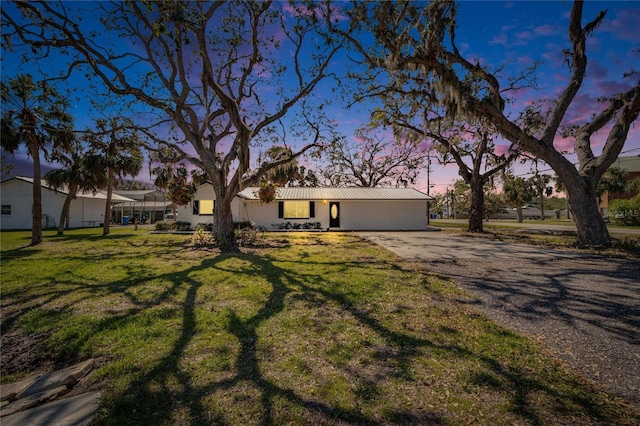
(171, 226)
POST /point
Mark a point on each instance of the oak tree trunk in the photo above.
(477, 206)
(590, 225)
(223, 225)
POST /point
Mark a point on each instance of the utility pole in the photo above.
(428, 187)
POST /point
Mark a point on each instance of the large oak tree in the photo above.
(418, 39)
(372, 159)
(215, 78)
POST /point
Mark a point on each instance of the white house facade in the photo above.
(200, 210)
(340, 209)
(16, 196)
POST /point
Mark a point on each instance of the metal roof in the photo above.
(99, 195)
(340, 194)
(142, 194)
(629, 163)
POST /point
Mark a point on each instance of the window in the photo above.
(6, 210)
(296, 209)
(203, 207)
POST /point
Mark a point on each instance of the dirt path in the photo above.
(584, 308)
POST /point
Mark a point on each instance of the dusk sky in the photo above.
(518, 33)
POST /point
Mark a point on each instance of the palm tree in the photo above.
(541, 185)
(518, 191)
(165, 172)
(559, 186)
(82, 172)
(34, 115)
(119, 148)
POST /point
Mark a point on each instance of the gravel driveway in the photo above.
(585, 308)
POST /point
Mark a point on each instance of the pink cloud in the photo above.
(524, 36)
(596, 70)
(499, 39)
(608, 87)
(553, 53)
(624, 25)
(563, 144)
(502, 150)
(545, 30)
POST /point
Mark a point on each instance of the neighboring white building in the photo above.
(16, 195)
(344, 209)
(148, 206)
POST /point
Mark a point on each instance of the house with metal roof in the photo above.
(631, 165)
(16, 195)
(340, 209)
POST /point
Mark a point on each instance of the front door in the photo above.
(334, 215)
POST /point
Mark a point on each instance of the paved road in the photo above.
(585, 308)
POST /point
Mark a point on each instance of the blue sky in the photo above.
(517, 33)
(525, 31)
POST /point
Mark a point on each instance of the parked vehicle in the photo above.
(528, 212)
(169, 216)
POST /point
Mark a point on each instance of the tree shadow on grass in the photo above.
(168, 392)
(248, 367)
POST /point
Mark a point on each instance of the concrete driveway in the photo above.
(443, 245)
(585, 308)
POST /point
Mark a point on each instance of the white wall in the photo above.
(265, 215)
(83, 210)
(409, 215)
(185, 213)
(383, 215)
(19, 194)
(354, 214)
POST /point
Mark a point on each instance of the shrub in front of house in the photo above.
(163, 225)
(201, 237)
(286, 226)
(247, 224)
(249, 237)
(183, 226)
(171, 226)
(625, 212)
(208, 227)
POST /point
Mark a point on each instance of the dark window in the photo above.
(6, 210)
(312, 209)
(280, 209)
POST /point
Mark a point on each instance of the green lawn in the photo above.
(311, 328)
